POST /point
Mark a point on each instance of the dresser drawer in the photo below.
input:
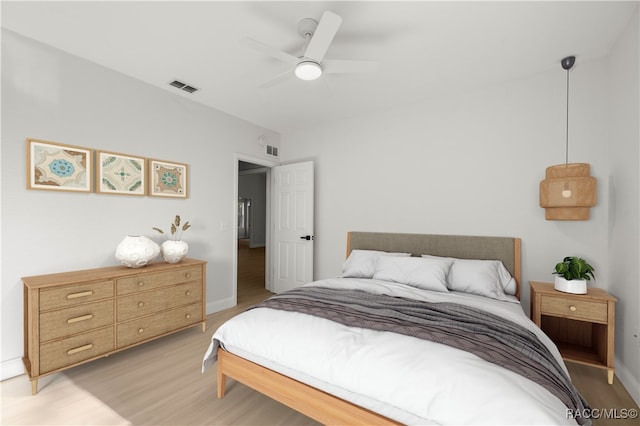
(76, 319)
(62, 297)
(151, 281)
(148, 302)
(574, 309)
(141, 329)
(75, 349)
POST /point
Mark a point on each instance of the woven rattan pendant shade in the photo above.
(568, 191)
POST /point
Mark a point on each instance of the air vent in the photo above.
(183, 86)
(272, 150)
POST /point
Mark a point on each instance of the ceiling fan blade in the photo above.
(271, 51)
(277, 80)
(323, 36)
(339, 66)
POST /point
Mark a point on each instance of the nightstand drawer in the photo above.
(575, 309)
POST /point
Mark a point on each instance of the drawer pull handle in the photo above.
(140, 305)
(187, 316)
(140, 283)
(187, 293)
(79, 349)
(81, 294)
(140, 330)
(188, 275)
(573, 308)
(78, 319)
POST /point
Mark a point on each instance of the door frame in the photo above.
(237, 157)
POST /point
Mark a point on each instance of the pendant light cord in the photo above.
(567, 123)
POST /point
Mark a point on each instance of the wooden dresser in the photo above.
(75, 317)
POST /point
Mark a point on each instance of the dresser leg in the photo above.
(34, 386)
(610, 376)
(204, 327)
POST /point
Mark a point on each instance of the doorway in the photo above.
(287, 234)
(252, 214)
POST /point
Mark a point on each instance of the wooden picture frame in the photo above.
(168, 179)
(59, 167)
(120, 174)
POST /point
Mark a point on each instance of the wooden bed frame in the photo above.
(326, 408)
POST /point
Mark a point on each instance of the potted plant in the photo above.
(174, 249)
(572, 275)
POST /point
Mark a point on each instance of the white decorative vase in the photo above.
(570, 286)
(174, 251)
(136, 251)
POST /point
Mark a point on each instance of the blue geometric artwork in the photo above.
(57, 166)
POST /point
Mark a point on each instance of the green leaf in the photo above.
(572, 268)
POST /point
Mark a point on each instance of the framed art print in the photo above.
(120, 174)
(58, 167)
(168, 179)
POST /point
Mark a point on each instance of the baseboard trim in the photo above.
(630, 383)
(11, 368)
(220, 305)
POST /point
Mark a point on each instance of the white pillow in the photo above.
(507, 281)
(487, 278)
(427, 274)
(362, 263)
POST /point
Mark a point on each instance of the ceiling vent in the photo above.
(183, 86)
(272, 150)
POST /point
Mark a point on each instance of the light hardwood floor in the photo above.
(160, 383)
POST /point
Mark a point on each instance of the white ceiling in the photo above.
(423, 48)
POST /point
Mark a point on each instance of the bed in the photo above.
(418, 329)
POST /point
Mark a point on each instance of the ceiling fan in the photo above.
(311, 65)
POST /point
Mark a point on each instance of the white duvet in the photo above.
(410, 380)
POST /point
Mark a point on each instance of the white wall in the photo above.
(470, 163)
(624, 203)
(47, 94)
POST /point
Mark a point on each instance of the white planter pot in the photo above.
(136, 251)
(174, 251)
(571, 286)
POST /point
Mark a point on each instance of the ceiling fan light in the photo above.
(308, 70)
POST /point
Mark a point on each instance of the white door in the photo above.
(292, 195)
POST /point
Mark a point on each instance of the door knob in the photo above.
(307, 237)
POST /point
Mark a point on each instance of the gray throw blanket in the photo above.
(488, 336)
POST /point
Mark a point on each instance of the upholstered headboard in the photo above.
(505, 249)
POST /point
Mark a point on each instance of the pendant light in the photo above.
(568, 190)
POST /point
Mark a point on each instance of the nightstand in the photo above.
(581, 325)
